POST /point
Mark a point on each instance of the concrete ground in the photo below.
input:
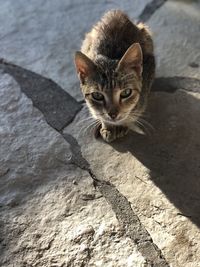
(68, 199)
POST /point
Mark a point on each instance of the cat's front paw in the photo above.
(109, 135)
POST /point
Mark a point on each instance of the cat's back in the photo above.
(113, 35)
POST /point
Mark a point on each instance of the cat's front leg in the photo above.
(110, 132)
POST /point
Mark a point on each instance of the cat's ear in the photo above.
(132, 59)
(84, 66)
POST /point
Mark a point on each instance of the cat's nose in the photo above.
(113, 115)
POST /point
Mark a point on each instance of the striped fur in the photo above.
(100, 69)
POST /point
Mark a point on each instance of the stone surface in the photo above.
(51, 211)
(59, 227)
(58, 107)
(150, 9)
(127, 218)
(176, 29)
(43, 37)
(158, 173)
(171, 84)
(30, 149)
(51, 214)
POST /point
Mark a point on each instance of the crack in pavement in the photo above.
(150, 9)
(58, 107)
(121, 207)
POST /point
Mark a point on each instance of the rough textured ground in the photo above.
(67, 199)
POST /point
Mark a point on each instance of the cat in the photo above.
(116, 68)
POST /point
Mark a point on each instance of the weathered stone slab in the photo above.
(150, 9)
(58, 107)
(176, 30)
(50, 212)
(171, 84)
(128, 220)
(43, 37)
(30, 149)
(62, 228)
(158, 173)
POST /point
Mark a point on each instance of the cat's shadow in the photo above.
(172, 151)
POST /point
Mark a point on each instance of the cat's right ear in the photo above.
(84, 66)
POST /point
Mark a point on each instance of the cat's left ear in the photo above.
(84, 66)
(132, 60)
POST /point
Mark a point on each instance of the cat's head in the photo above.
(112, 87)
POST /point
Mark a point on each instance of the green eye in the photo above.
(126, 93)
(97, 96)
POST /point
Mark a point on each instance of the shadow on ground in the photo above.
(58, 107)
(171, 152)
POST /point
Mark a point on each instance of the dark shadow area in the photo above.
(171, 84)
(58, 107)
(150, 9)
(172, 151)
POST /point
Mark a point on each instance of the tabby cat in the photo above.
(116, 68)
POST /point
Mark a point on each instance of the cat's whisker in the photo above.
(92, 125)
(140, 114)
(89, 120)
(147, 123)
(83, 128)
(141, 118)
(144, 128)
(88, 127)
(95, 126)
(79, 134)
(84, 120)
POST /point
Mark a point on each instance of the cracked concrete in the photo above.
(67, 199)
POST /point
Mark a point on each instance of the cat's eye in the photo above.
(126, 93)
(97, 96)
